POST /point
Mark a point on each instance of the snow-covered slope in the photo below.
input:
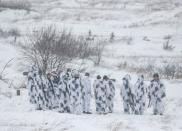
(142, 23)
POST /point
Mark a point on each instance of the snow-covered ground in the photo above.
(133, 20)
(16, 114)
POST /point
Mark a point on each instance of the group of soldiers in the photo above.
(70, 92)
(135, 96)
(63, 91)
(104, 91)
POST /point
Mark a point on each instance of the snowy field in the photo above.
(18, 115)
(144, 27)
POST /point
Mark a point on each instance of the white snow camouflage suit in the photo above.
(86, 94)
(50, 93)
(110, 95)
(127, 94)
(64, 94)
(140, 96)
(32, 89)
(156, 95)
(40, 84)
(75, 96)
(100, 96)
(55, 82)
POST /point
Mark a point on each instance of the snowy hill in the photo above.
(140, 29)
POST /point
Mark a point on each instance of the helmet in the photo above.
(75, 74)
(98, 77)
(105, 77)
(87, 74)
(127, 77)
(156, 75)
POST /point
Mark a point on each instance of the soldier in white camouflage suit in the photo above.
(86, 93)
(60, 93)
(108, 92)
(96, 85)
(50, 91)
(127, 94)
(45, 88)
(63, 93)
(68, 74)
(75, 94)
(66, 81)
(156, 95)
(101, 98)
(140, 95)
(32, 89)
(110, 95)
(55, 81)
(40, 83)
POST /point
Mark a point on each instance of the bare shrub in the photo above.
(169, 71)
(51, 49)
(112, 37)
(145, 38)
(172, 70)
(178, 73)
(89, 33)
(169, 68)
(2, 74)
(90, 37)
(97, 52)
(15, 4)
(148, 69)
(166, 44)
(44, 48)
